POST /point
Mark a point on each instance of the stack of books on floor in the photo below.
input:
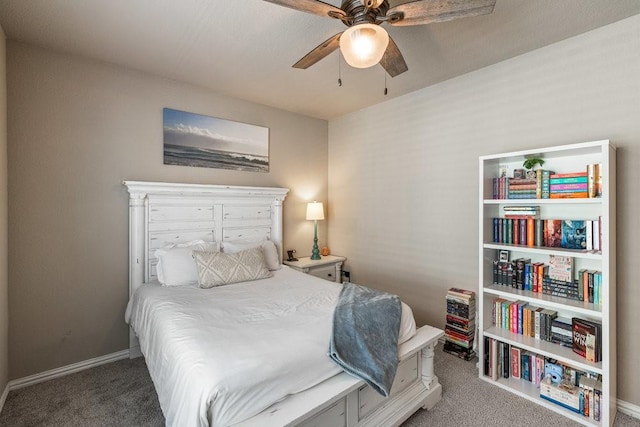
(461, 323)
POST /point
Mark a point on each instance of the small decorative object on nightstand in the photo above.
(327, 267)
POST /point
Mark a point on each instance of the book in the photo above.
(553, 233)
(581, 276)
(568, 175)
(547, 316)
(596, 235)
(538, 232)
(461, 293)
(598, 175)
(574, 187)
(493, 354)
(589, 238)
(591, 180)
(570, 195)
(546, 180)
(560, 268)
(465, 353)
(520, 268)
(574, 234)
(522, 236)
(530, 232)
(515, 362)
(587, 338)
(505, 360)
(574, 180)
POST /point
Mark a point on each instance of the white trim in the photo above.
(3, 398)
(66, 370)
(629, 409)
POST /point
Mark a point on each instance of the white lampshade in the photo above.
(363, 45)
(315, 211)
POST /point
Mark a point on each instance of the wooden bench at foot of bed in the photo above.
(344, 400)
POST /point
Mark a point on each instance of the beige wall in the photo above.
(4, 274)
(77, 129)
(403, 175)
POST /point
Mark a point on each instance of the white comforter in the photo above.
(219, 356)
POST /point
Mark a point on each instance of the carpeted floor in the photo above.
(122, 394)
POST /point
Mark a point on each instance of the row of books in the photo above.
(502, 360)
(561, 233)
(583, 336)
(573, 389)
(555, 279)
(460, 324)
(521, 318)
(550, 185)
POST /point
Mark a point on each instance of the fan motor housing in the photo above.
(357, 13)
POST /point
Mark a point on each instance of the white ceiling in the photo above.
(245, 48)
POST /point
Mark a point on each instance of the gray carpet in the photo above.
(122, 394)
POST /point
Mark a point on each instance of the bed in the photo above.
(319, 394)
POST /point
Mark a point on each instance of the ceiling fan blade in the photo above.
(392, 60)
(324, 49)
(419, 12)
(311, 6)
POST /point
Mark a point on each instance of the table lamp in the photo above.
(315, 212)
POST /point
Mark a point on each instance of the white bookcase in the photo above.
(561, 159)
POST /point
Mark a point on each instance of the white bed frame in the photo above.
(169, 212)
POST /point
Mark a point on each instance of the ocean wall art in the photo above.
(202, 141)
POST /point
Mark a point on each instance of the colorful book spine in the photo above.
(591, 180)
(556, 187)
(568, 175)
(575, 180)
(546, 181)
(572, 195)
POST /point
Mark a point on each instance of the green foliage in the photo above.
(532, 162)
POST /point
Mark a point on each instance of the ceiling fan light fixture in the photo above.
(363, 45)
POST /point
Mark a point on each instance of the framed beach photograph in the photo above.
(202, 141)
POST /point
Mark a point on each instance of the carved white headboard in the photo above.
(163, 213)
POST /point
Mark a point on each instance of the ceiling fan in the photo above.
(365, 43)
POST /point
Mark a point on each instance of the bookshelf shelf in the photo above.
(577, 307)
(576, 253)
(530, 392)
(544, 348)
(561, 159)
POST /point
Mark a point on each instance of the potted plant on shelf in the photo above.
(530, 164)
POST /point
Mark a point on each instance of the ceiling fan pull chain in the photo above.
(385, 80)
(339, 71)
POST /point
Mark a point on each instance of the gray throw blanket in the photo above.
(364, 341)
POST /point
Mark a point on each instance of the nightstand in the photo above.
(329, 267)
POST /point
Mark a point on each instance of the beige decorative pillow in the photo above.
(219, 268)
(271, 257)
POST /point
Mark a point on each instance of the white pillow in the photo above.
(271, 257)
(176, 266)
(219, 268)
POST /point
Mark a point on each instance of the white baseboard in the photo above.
(3, 398)
(629, 409)
(66, 370)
